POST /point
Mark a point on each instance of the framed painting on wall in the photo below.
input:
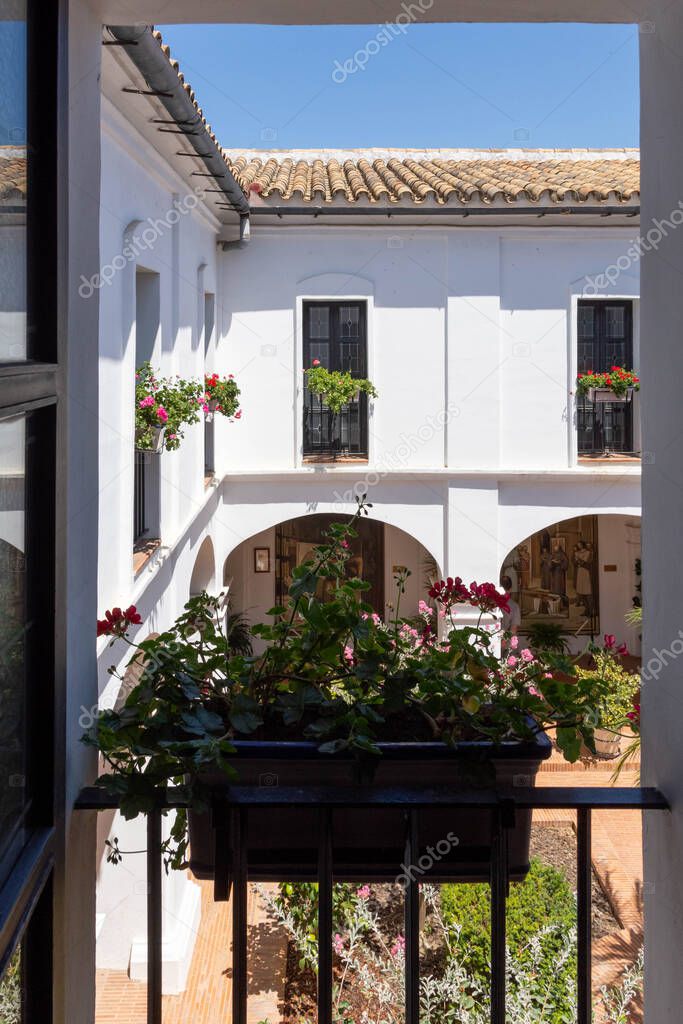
(261, 559)
(553, 576)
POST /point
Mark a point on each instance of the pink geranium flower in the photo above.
(527, 655)
(514, 642)
(162, 414)
(511, 662)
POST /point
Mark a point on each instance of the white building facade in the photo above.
(475, 454)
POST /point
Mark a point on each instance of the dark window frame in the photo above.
(324, 435)
(30, 388)
(610, 426)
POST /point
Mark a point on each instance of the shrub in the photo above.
(543, 900)
(616, 700)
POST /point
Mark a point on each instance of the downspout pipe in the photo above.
(144, 51)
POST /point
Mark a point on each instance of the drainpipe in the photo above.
(145, 52)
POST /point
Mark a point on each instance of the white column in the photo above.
(662, 374)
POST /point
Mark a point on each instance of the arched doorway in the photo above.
(204, 571)
(258, 572)
(581, 575)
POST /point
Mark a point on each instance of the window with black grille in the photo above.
(335, 334)
(604, 340)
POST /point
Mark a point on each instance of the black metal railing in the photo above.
(332, 434)
(139, 503)
(604, 427)
(231, 813)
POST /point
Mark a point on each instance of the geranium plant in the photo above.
(617, 380)
(221, 395)
(330, 672)
(336, 387)
(164, 402)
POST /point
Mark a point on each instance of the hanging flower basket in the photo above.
(221, 395)
(150, 440)
(603, 395)
(336, 387)
(617, 385)
(163, 407)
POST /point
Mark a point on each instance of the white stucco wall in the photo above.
(472, 325)
(138, 195)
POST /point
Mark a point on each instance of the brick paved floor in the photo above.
(617, 860)
(206, 999)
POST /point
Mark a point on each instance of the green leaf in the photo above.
(333, 746)
(569, 742)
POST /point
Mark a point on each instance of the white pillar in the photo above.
(662, 374)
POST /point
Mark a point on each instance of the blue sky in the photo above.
(414, 85)
(13, 94)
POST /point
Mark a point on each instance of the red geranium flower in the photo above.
(116, 621)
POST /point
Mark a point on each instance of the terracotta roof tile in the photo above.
(12, 173)
(440, 177)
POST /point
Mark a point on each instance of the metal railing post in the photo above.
(584, 930)
(154, 919)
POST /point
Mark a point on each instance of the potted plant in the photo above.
(163, 406)
(547, 636)
(615, 704)
(221, 395)
(617, 385)
(337, 388)
(338, 698)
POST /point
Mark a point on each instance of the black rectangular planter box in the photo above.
(368, 842)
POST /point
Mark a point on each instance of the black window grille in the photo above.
(605, 339)
(140, 525)
(335, 334)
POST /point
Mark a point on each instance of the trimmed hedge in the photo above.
(543, 899)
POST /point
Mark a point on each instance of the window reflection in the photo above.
(13, 624)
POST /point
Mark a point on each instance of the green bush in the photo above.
(544, 900)
(617, 700)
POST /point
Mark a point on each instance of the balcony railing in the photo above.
(604, 427)
(232, 872)
(331, 434)
(139, 503)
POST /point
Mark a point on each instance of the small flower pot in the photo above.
(158, 434)
(607, 744)
(602, 396)
(368, 843)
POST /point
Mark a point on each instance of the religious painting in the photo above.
(553, 576)
(295, 543)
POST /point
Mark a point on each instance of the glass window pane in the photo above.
(614, 321)
(586, 321)
(13, 181)
(13, 626)
(349, 321)
(319, 321)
